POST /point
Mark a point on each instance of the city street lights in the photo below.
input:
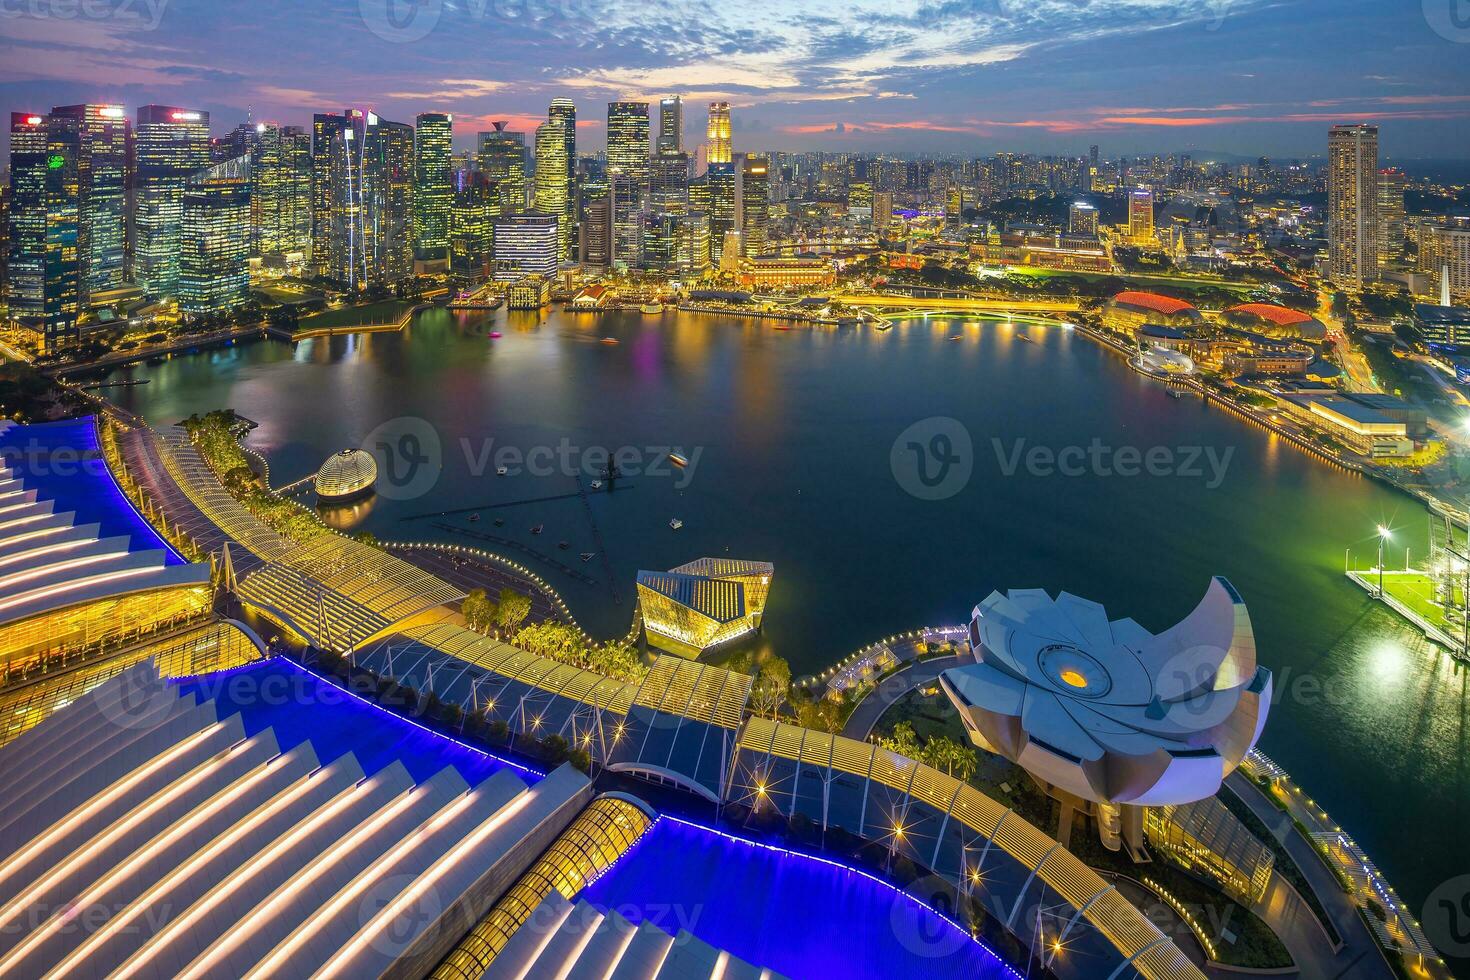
(1383, 535)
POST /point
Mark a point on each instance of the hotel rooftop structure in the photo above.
(321, 834)
(703, 604)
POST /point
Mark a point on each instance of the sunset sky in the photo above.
(1229, 76)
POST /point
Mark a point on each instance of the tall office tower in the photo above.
(328, 190)
(280, 194)
(596, 233)
(556, 155)
(1141, 216)
(525, 244)
(42, 233)
(1352, 204)
(102, 174)
(433, 192)
(755, 204)
(669, 182)
(170, 145)
(699, 199)
(241, 141)
(720, 179)
(502, 159)
(954, 206)
(717, 134)
(1092, 155)
(627, 140)
(387, 186)
(628, 173)
(214, 239)
(1082, 219)
(860, 201)
(882, 210)
(1391, 184)
(660, 243)
(694, 243)
(1444, 253)
(670, 125)
(471, 225)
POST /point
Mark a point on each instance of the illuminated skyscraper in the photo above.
(102, 165)
(1352, 205)
(669, 182)
(1082, 219)
(720, 180)
(502, 159)
(387, 182)
(42, 234)
(596, 232)
(1141, 216)
(171, 144)
(670, 125)
(433, 192)
(717, 134)
(214, 238)
(280, 193)
(556, 155)
(882, 210)
(363, 169)
(1391, 184)
(860, 201)
(628, 172)
(755, 204)
(526, 244)
(328, 191)
(472, 215)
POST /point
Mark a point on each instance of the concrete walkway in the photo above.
(1293, 920)
(865, 716)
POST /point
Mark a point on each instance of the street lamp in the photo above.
(1383, 535)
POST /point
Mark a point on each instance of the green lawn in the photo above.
(389, 310)
(1416, 591)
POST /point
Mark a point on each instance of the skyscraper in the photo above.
(1352, 204)
(280, 193)
(433, 192)
(755, 204)
(363, 190)
(1141, 216)
(1391, 184)
(502, 159)
(1082, 219)
(42, 234)
(717, 134)
(214, 238)
(628, 172)
(387, 182)
(102, 166)
(171, 144)
(475, 207)
(669, 182)
(328, 189)
(596, 232)
(670, 125)
(720, 180)
(556, 155)
(526, 244)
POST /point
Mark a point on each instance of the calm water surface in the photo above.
(791, 433)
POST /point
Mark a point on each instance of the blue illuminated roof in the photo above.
(62, 462)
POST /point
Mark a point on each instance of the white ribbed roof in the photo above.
(197, 851)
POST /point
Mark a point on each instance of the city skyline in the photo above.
(1244, 78)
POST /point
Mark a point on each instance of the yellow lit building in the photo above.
(1206, 838)
(773, 272)
(706, 603)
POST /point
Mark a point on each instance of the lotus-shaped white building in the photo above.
(1106, 713)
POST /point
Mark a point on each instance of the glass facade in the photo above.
(171, 144)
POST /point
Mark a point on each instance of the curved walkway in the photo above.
(865, 716)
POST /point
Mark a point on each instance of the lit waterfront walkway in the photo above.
(890, 689)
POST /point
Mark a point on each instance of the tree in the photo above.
(478, 610)
(903, 740)
(772, 686)
(512, 610)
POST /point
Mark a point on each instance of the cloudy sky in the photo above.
(973, 76)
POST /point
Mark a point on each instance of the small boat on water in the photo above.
(596, 484)
(651, 309)
(610, 341)
(676, 524)
(501, 471)
(538, 528)
(563, 545)
(474, 517)
(679, 459)
(781, 326)
(495, 335)
(500, 522)
(1175, 393)
(587, 556)
(957, 337)
(1026, 338)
